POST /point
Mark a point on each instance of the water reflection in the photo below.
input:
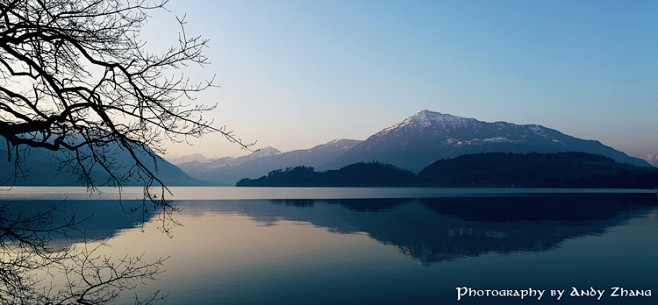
(429, 230)
(541, 207)
(353, 251)
(54, 252)
(434, 230)
(93, 220)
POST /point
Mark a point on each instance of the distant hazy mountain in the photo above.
(42, 168)
(651, 158)
(429, 136)
(186, 158)
(206, 167)
(227, 171)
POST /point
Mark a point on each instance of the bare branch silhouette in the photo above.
(76, 79)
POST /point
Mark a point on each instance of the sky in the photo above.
(295, 74)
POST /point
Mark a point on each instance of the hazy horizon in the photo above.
(295, 74)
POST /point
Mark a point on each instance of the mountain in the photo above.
(227, 171)
(411, 144)
(42, 168)
(203, 167)
(651, 158)
(186, 158)
(429, 136)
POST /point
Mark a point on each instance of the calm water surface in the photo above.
(383, 246)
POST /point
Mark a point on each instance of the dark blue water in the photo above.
(394, 251)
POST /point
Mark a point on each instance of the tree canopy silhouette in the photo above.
(76, 77)
(77, 80)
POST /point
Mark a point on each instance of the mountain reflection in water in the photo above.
(437, 229)
(429, 229)
(306, 251)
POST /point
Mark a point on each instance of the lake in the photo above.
(378, 245)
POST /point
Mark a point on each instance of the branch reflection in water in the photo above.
(295, 251)
(54, 253)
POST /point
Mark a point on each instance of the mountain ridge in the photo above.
(42, 167)
(318, 157)
(414, 143)
(428, 136)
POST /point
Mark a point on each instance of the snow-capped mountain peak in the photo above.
(428, 136)
(426, 119)
(412, 144)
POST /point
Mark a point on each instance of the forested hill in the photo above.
(359, 174)
(570, 169)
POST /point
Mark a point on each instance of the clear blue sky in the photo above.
(294, 74)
